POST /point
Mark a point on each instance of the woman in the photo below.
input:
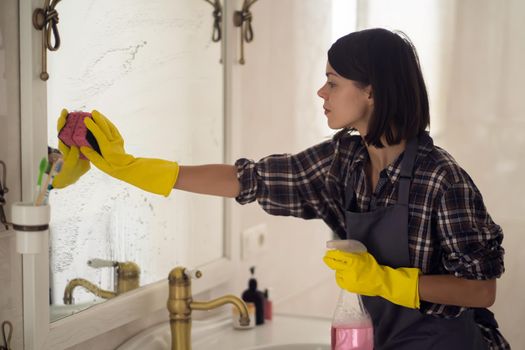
(434, 252)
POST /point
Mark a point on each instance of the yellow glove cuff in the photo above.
(401, 286)
(360, 273)
(152, 175)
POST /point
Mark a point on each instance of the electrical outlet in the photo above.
(254, 241)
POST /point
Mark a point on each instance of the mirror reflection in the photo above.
(152, 66)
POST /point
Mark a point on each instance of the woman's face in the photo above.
(345, 104)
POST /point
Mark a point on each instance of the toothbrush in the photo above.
(58, 167)
(44, 191)
(41, 169)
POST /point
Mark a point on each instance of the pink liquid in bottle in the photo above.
(358, 337)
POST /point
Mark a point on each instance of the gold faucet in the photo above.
(181, 304)
(127, 276)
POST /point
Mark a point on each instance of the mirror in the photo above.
(153, 69)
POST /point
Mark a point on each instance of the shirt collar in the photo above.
(360, 157)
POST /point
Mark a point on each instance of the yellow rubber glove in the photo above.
(152, 175)
(360, 273)
(73, 167)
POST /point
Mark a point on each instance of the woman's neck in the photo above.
(380, 158)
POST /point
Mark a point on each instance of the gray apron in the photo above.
(384, 232)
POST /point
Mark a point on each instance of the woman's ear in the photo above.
(370, 95)
(369, 91)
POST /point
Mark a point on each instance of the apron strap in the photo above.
(407, 169)
(349, 192)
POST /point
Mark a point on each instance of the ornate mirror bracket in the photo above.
(46, 20)
(217, 20)
(243, 19)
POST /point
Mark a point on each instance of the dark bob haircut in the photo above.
(389, 63)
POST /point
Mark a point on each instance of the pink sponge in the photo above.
(74, 131)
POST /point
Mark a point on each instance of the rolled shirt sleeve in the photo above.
(306, 185)
(471, 241)
(288, 185)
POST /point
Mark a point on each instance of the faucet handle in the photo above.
(98, 263)
(193, 274)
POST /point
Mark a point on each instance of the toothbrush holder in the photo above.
(31, 224)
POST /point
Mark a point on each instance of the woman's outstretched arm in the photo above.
(213, 179)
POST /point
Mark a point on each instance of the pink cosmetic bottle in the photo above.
(268, 307)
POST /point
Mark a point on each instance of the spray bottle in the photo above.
(352, 327)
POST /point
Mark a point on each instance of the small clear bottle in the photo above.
(352, 327)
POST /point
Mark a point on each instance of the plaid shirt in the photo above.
(450, 231)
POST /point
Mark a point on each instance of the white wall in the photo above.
(485, 123)
(10, 260)
(279, 112)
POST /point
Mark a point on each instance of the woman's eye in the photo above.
(330, 84)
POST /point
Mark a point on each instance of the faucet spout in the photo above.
(226, 299)
(127, 275)
(80, 282)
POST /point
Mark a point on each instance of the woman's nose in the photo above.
(321, 93)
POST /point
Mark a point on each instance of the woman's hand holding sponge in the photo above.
(74, 165)
(152, 175)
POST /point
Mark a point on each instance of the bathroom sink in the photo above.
(59, 311)
(284, 332)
